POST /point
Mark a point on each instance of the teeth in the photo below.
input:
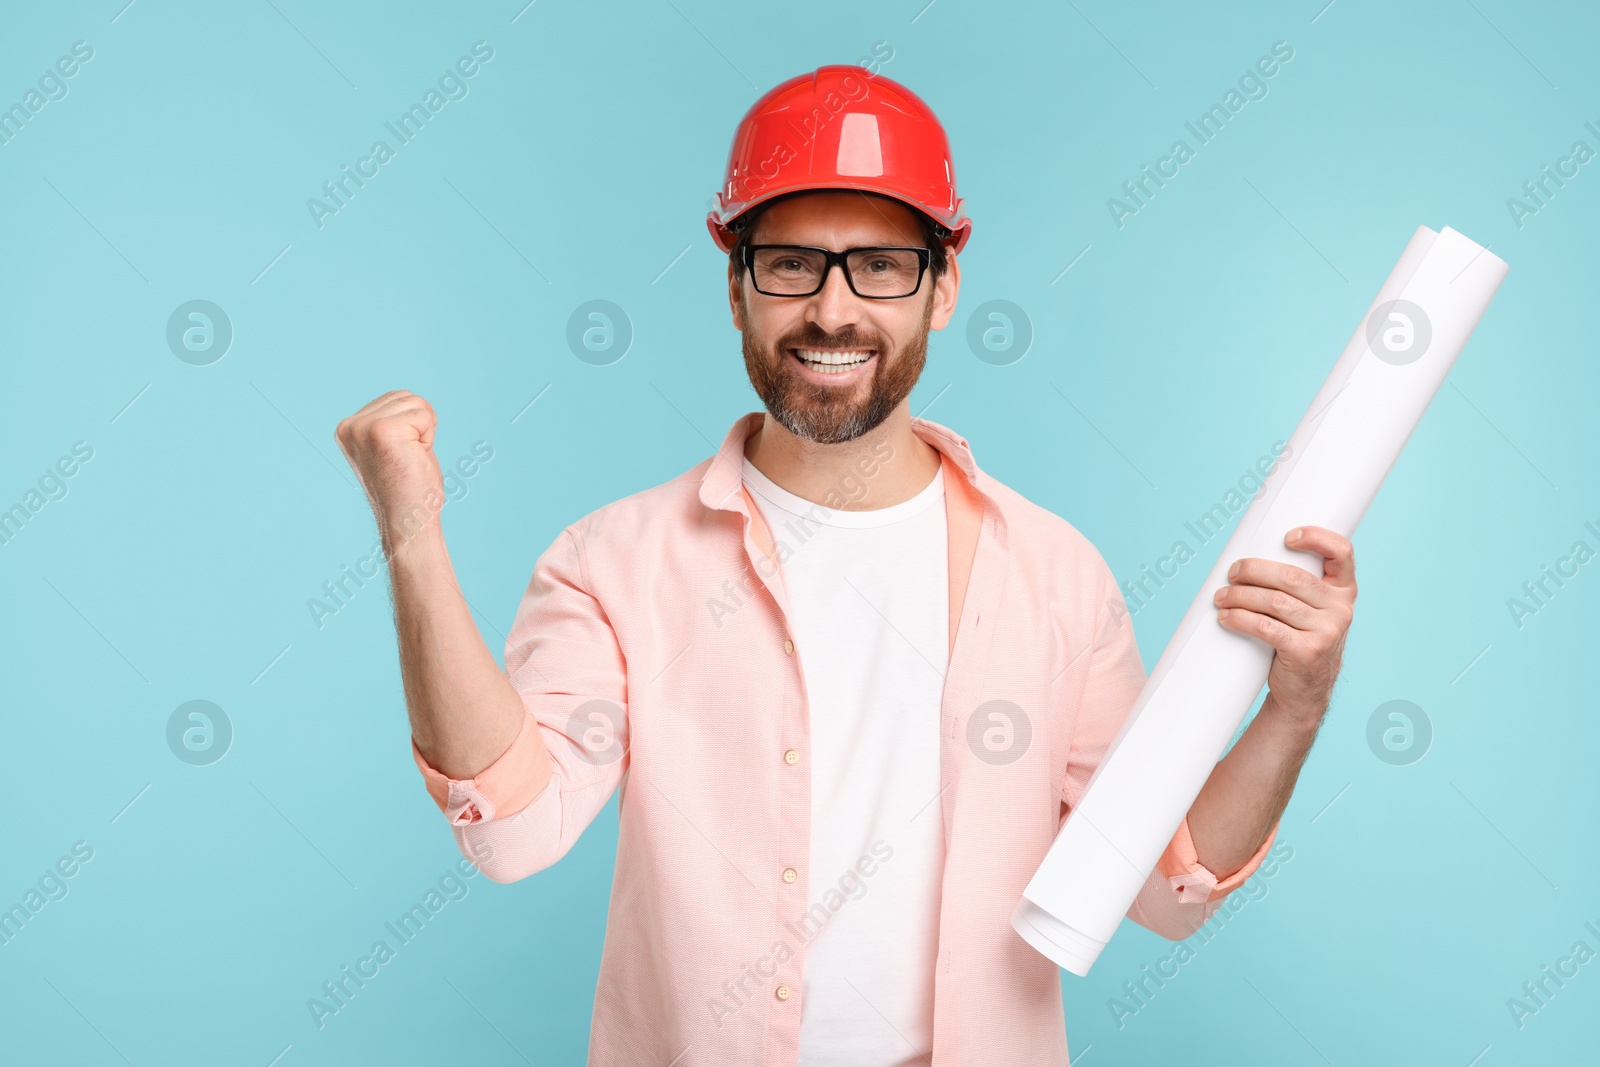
(833, 361)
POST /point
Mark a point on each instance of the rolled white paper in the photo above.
(1209, 676)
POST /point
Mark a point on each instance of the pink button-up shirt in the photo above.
(652, 654)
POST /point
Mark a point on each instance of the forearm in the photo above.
(1249, 788)
(464, 712)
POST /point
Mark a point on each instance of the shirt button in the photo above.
(790, 874)
(791, 756)
(782, 992)
(788, 647)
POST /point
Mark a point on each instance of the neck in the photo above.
(879, 469)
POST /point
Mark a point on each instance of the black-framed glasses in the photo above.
(883, 272)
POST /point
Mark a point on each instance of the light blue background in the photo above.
(179, 564)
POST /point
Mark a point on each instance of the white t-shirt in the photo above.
(869, 598)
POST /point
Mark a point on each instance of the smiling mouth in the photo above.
(832, 361)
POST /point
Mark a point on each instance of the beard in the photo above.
(825, 414)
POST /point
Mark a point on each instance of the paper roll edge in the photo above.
(1496, 262)
(1066, 947)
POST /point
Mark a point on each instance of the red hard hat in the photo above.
(841, 127)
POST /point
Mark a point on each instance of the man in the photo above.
(847, 683)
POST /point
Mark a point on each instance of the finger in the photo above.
(377, 402)
(399, 404)
(1254, 624)
(1296, 581)
(1338, 554)
(420, 419)
(1290, 641)
(372, 411)
(1285, 607)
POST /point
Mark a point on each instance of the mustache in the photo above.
(813, 337)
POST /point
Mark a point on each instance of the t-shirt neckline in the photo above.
(781, 498)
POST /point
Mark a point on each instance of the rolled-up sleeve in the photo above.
(512, 782)
(524, 812)
(1193, 880)
(1181, 893)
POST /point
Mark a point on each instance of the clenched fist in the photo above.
(389, 444)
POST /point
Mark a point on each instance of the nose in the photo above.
(834, 306)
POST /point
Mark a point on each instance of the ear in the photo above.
(733, 299)
(945, 292)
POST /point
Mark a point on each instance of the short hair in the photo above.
(934, 235)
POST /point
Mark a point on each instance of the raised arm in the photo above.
(464, 711)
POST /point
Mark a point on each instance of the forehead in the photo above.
(837, 218)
